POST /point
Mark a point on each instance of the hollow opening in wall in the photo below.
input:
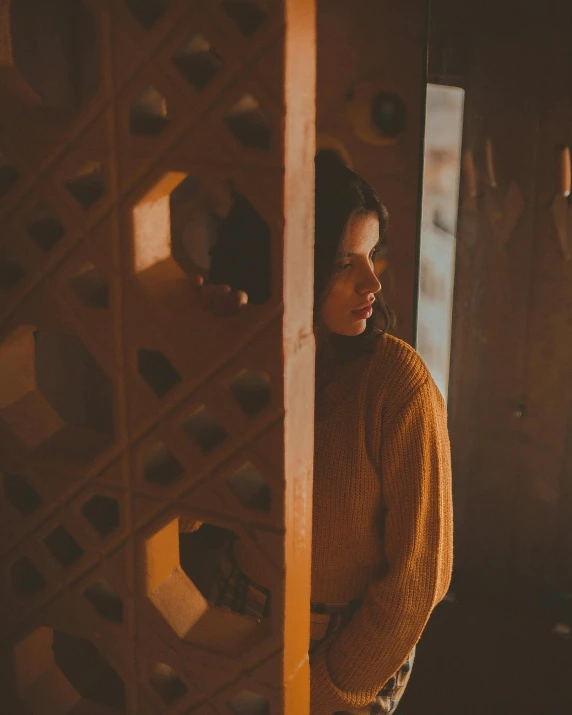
(147, 12)
(105, 601)
(200, 623)
(161, 467)
(86, 183)
(44, 228)
(63, 547)
(157, 371)
(102, 513)
(249, 124)
(248, 15)
(55, 49)
(91, 287)
(200, 225)
(148, 114)
(197, 61)
(79, 391)
(200, 553)
(388, 114)
(59, 402)
(20, 493)
(167, 683)
(205, 430)
(241, 255)
(88, 671)
(252, 490)
(196, 210)
(251, 390)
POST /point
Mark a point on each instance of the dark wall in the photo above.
(366, 48)
(510, 398)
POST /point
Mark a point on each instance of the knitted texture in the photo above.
(382, 519)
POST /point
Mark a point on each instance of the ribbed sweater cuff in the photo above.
(325, 697)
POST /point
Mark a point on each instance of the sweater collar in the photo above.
(346, 373)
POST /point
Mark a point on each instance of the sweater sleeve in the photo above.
(351, 667)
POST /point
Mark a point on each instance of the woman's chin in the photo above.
(356, 328)
(360, 329)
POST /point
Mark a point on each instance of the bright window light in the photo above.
(441, 169)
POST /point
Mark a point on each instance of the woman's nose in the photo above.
(369, 282)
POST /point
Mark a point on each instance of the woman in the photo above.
(382, 518)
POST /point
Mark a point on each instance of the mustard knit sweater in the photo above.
(382, 519)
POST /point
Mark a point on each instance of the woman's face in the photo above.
(349, 296)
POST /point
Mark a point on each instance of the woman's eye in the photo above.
(373, 254)
(344, 266)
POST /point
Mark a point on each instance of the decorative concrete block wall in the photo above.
(128, 129)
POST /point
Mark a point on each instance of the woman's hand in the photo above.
(219, 299)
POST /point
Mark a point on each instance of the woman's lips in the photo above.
(363, 313)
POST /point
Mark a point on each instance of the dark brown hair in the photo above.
(341, 194)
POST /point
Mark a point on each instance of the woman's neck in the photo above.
(334, 350)
(331, 352)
